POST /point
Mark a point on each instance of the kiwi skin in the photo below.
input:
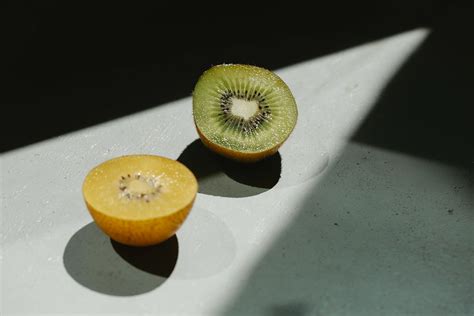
(240, 156)
(245, 157)
(140, 233)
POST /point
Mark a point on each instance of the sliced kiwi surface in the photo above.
(243, 112)
(140, 200)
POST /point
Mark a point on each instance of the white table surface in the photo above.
(349, 229)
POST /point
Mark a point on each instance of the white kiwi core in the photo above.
(243, 108)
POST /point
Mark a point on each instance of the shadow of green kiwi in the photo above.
(220, 176)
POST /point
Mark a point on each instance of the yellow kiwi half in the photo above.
(140, 200)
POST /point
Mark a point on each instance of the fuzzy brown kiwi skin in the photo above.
(245, 157)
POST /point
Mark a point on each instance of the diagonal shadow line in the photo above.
(125, 59)
(385, 232)
(427, 108)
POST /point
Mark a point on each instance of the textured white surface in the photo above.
(224, 239)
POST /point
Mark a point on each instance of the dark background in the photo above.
(69, 65)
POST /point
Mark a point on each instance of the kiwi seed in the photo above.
(139, 187)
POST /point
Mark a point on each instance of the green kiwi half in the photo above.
(243, 112)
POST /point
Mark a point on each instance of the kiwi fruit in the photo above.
(140, 200)
(243, 112)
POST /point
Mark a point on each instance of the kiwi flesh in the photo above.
(243, 112)
(140, 200)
